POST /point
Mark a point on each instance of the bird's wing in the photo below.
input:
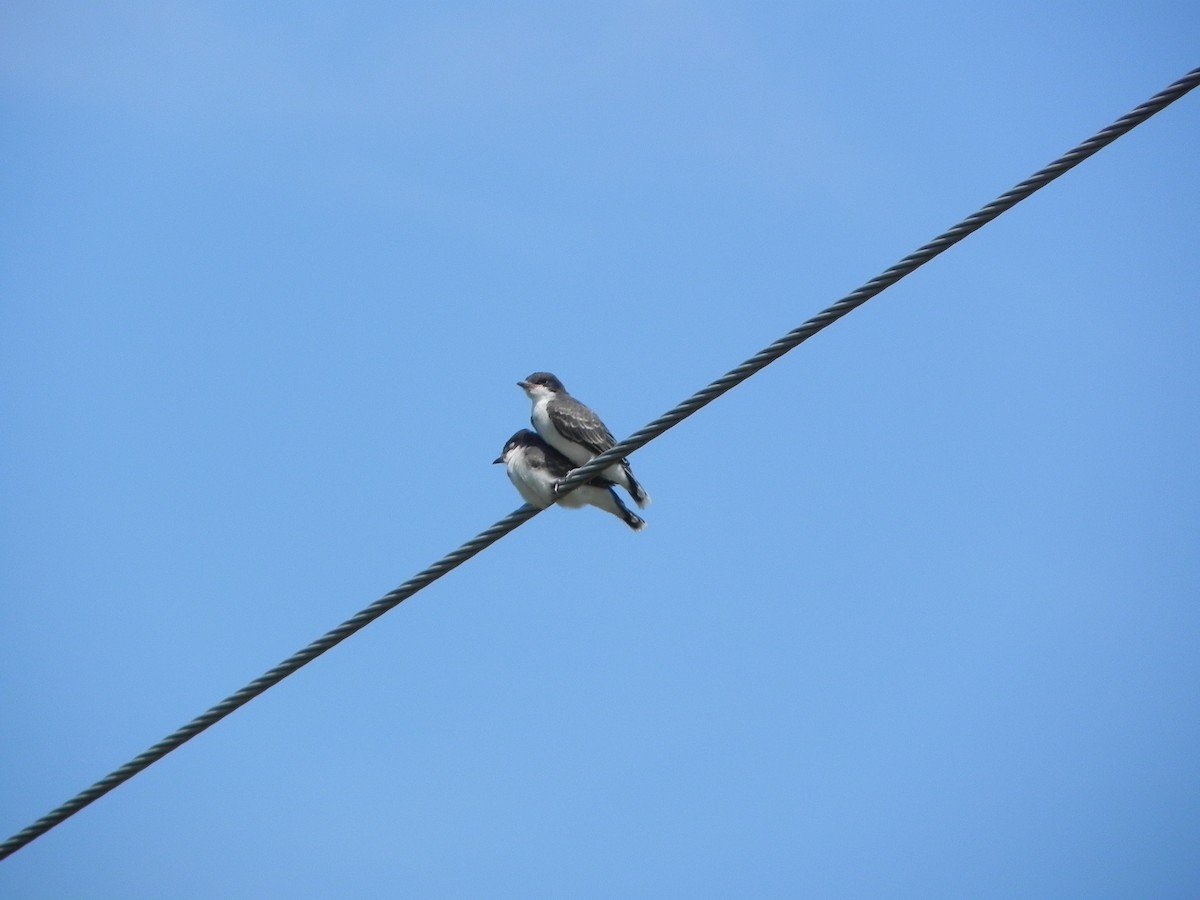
(580, 425)
(557, 465)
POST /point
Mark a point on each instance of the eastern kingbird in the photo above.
(535, 468)
(575, 431)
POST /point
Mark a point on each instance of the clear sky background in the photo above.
(917, 613)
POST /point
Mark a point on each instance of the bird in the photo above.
(535, 468)
(575, 431)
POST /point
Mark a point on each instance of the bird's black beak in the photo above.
(523, 385)
(498, 459)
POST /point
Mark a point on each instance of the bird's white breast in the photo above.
(535, 486)
(544, 426)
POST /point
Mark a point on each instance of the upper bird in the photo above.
(575, 431)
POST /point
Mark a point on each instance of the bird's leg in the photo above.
(558, 484)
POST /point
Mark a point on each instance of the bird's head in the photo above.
(519, 441)
(541, 384)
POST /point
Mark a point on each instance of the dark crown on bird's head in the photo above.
(523, 438)
(545, 379)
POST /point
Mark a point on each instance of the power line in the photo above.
(636, 441)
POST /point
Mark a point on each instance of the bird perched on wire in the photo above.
(575, 431)
(535, 468)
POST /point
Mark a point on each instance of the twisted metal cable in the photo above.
(636, 441)
(886, 279)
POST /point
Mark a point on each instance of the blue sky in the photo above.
(915, 614)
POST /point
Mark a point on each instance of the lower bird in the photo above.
(575, 431)
(535, 468)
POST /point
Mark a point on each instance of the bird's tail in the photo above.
(639, 494)
(632, 519)
(628, 516)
